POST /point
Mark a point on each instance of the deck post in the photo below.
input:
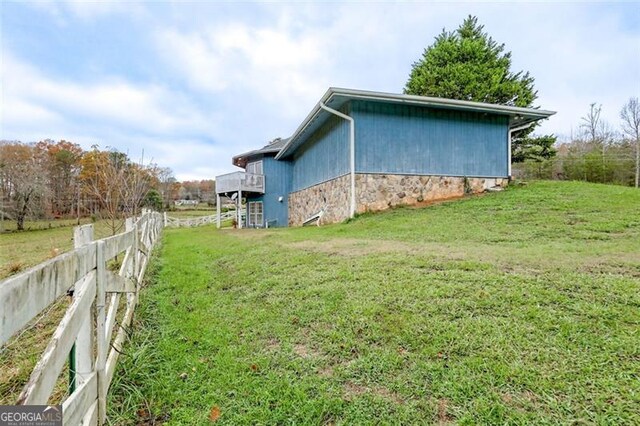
(217, 210)
(239, 209)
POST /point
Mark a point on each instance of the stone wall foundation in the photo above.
(375, 192)
(332, 197)
(379, 191)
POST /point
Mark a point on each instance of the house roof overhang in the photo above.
(337, 97)
(273, 147)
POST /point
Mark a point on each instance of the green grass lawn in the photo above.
(42, 240)
(190, 212)
(511, 308)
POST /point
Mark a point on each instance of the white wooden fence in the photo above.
(90, 321)
(174, 222)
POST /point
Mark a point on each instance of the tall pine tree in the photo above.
(467, 64)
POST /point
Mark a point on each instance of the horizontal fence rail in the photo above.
(174, 222)
(91, 270)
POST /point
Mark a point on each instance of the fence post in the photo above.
(101, 342)
(164, 214)
(83, 348)
(136, 258)
(130, 225)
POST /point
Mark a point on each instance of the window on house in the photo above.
(255, 213)
(255, 167)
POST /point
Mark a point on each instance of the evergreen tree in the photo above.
(467, 64)
(535, 149)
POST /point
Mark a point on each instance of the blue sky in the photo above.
(193, 83)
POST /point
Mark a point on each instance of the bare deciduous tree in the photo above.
(591, 123)
(138, 179)
(166, 181)
(118, 184)
(598, 133)
(102, 179)
(23, 180)
(630, 115)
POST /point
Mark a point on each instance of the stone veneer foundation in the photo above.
(376, 192)
(331, 196)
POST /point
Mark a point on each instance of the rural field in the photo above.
(186, 213)
(510, 308)
(42, 240)
(48, 238)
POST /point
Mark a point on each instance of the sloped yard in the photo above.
(517, 307)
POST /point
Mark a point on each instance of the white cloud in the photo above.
(131, 118)
(24, 114)
(266, 63)
(190, 158)
(575, 62)
(146, 108)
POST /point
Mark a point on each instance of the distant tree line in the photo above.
(598, 152)
(52, 179)
(204, 191)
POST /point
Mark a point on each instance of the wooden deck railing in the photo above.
(89, 323)
(240, 181)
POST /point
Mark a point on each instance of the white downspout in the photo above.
(509, 147)
(352, 155)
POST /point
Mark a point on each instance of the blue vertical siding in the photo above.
(406, 139)
(390, 138)
(324, 156)
(277, 184)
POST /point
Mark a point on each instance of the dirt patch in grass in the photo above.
(505, 258)
(326, 371)
(305, 351)
(273, 344)
(522, 401)
(443, 415)
(624, 265)
(387, 394)
(250, 234)
(355, 247)
(353, 390)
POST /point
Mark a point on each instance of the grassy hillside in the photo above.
(516, 307)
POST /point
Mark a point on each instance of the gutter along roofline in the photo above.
(517, 116)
